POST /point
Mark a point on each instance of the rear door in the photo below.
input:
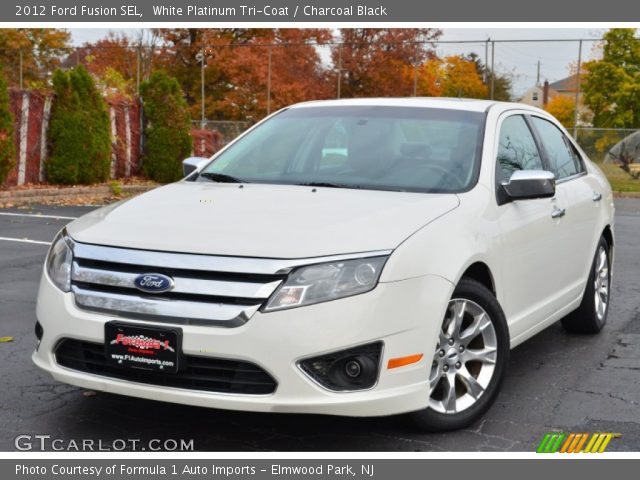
(532, 265)
(582, 203)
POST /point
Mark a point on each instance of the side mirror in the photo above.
(191, 164)
(529, 184)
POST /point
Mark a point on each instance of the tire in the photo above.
(592, 313)
(461, 357)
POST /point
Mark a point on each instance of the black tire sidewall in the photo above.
(431, 420)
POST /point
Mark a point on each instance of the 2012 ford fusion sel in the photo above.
(353, 257)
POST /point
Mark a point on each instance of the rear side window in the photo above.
(564, 159)
(517, 149)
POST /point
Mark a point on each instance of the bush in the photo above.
(79, 130)
(7, 148)
(167, 125)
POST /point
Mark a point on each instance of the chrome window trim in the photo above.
(202, 262)
(571, 177)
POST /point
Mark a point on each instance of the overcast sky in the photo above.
(520, 59)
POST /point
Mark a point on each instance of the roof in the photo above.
(567, 84)
(424, 102)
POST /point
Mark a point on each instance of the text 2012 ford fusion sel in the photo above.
(352, 257)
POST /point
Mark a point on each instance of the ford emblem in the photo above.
(153, 283)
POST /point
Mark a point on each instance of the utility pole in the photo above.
(269, 83)
(339, 69)
(493, 74)
(486, 61)
(138, 61)
(575, 113)
(203, 118)
(538, 74)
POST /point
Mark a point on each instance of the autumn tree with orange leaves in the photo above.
(42, 52)
(453, 76)
(373, 61)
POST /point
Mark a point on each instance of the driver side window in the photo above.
(517, 148)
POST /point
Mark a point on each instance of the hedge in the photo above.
(7, 148)
(79, 131)
(167, 126)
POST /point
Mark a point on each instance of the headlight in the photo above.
(327, 281)
(59, 262)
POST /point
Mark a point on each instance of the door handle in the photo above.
(596, 197)
(558, 212)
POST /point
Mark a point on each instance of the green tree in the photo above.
(167, 128)
(611, 86)
(502, 82)
(79, 130)
(7, 149)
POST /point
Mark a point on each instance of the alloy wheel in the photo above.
(601, 283)
(465, 358)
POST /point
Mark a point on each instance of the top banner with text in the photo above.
(300, 11)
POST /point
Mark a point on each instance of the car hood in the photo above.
(271, 221)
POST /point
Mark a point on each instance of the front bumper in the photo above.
(404, 315)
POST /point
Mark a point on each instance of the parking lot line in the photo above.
(11, 214)
(24, 240)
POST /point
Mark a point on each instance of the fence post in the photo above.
(269, 81)
(339, 69)
(21, 72)
(493, 73)
(575, 113)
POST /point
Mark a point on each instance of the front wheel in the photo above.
(469, 361)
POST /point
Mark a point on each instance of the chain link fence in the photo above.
(269, 73)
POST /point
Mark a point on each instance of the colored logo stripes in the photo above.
(561, 442)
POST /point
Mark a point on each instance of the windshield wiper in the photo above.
(326, 184)
(221, 177)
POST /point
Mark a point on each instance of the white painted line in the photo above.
(36, 215)
(24, 240)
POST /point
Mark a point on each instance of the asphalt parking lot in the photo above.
(556, 381)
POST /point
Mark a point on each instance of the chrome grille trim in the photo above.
(207, 263)
(208, 289)
(193, 286)
(164, 309)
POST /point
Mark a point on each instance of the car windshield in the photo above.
(366, 147)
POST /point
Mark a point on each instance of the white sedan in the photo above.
(354, 257)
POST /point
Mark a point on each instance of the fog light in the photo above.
(352, 369)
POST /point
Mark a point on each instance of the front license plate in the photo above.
(147, 348)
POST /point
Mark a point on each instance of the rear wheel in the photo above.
(591, 315)
(469, 361)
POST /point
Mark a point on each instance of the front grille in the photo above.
(198, 373)
(207, 290)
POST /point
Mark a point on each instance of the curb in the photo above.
(41, 195)
(626, 194)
